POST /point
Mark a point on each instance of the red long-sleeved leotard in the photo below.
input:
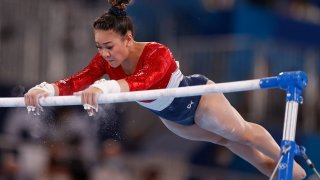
(156, 69)
(153, 71)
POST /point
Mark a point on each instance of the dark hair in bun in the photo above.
(115, 18)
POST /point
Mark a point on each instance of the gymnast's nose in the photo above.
(105, 53)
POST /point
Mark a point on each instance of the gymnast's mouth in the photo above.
(110, 60)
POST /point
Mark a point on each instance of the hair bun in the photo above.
(119, 4)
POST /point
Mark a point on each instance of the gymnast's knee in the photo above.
(244, 137)
(251, 135)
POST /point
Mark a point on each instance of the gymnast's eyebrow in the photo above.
(105, 43)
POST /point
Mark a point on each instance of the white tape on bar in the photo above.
(142, 95)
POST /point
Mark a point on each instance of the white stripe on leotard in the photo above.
(163, 102)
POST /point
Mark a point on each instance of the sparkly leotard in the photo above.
(156, 69)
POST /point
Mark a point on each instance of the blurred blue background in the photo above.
(226, 40)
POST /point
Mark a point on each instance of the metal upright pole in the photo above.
(289, 148)
(293, 83)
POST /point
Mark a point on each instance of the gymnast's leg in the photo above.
(215, 114)
(263, 163)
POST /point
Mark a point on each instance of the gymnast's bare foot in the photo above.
(298, 172)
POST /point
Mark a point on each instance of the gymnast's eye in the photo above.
(109, 47)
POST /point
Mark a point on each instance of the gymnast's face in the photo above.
(113, 47)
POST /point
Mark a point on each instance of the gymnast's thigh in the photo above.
(192, 132)
(217, 115)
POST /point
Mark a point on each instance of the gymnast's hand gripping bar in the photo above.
(280, 81)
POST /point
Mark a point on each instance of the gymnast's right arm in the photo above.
(77, 82)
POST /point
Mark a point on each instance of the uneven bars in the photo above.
(292, 82)
(236, 86)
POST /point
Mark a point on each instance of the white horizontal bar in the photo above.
(142, 95)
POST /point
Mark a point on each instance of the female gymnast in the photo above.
(134, 66)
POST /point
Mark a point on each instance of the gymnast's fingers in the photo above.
(27, 99)
(90, 96)
(36, 97)
(95, 101)
(30, 99)
(82, 94)
(86, 97)
(90, 112)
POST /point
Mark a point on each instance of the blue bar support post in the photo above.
(293, 83)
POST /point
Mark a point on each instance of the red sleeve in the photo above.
(81, 80)
(155, 67)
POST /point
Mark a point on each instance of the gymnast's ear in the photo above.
(128, 38)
